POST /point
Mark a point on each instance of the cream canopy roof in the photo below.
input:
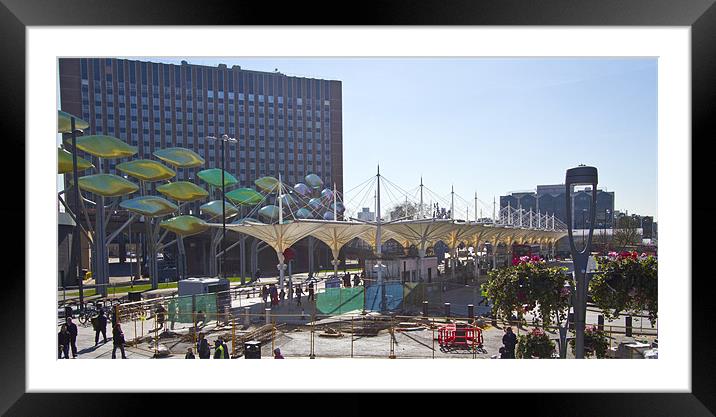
(421, 233)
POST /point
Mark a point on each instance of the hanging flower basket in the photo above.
(535, 345)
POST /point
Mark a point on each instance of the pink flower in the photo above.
(613, 254)
(536, 258)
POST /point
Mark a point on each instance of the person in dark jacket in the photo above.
(299, 293)
(118, 341)
(189, 354)
(356, 280)
(100, 327)
(310, 292)
(72, 328)
(219, 349)
(277, 354)
(264, 294)
(227, 354)
(63, 342)
(509, 340)
(202, 347)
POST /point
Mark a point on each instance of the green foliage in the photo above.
(535, 344)
(595, 342)
(626, 283)
(528, 285)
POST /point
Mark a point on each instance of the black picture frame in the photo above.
(699, 15)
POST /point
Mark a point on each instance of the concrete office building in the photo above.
(283, 124)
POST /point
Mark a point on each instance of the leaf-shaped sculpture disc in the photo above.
(183, 191)
(212, 176)
(247, 220)
(105, 146)
(184, 225)
(315, 203)
(245, 196)
(64, 162)
(327, 194)
(270, 212)
(314, 181)
(151, 206)
(107, 185)
(302, 189)
(146, 170)
(340, 208)
(214, 209)
(288, 201)
(267, 184)
(180, 157)
(303, 213)
(64, 123)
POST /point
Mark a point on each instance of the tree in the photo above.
(403, 210)
(626, 233)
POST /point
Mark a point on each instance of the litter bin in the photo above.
(252, 349)
(134, 296)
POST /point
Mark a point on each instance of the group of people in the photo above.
(221, 349)
(273, 297)
(347, 280)
(67, 337)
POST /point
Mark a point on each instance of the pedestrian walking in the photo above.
(299, 293)
(63, 342)
(161, 316)
(277, 354)
(118, 341)
(311, 292)
(68, 311)
(200, 318)
(202, 347)
(282, 295)
(72, 329)
(189, 354)
(258, 274)
(509, 340)
(100, 326)
(264, 294)
(273, 292)
(356, 280)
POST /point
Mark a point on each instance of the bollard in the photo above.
(247, 317)
(268, 315)
(470, 313)
(570, 321)
(627, 319)
(493, 321)
(600, 322)
(425, 308)
(447, 309)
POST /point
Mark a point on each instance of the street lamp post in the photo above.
(581, 175)
(223, 139)
(77, 248)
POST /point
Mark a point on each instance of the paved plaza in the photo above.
(349, 335)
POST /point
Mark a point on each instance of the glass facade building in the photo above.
(550, 199)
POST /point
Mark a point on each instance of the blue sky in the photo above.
(491, 126)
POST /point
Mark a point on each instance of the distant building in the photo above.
(366, 215)
(550, 199)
